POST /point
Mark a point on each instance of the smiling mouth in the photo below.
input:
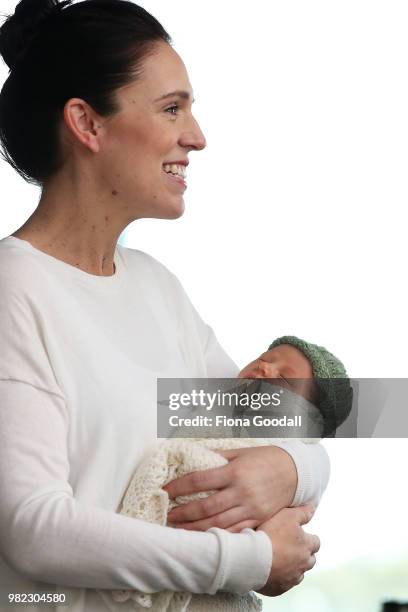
(175, 169)
(175, 178)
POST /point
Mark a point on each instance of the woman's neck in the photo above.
(81, 232)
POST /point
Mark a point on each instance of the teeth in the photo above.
(175, 169)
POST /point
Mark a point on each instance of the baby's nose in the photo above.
(267, 370)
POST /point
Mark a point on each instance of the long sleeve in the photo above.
(313, 470)
(311, 460)
(78, 369)
(80, 359)
(46, 534)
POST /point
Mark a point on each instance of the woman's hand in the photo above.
(293, 549)
(254, 485)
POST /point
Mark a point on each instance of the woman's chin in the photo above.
(174, 212)
(167, 210)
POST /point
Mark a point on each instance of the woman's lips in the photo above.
(176, 179)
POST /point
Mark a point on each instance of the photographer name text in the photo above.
(257, 420)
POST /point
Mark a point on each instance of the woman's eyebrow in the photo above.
(180, 93)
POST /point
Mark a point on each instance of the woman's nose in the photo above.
(193, 137)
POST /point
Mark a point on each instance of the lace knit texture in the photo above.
(145, 499)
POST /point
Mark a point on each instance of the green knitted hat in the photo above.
(336, 394)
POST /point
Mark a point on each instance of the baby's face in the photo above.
(284, 362)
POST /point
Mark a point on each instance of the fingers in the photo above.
(205, 480)
(311, 563)
(228, 454)
(202, 509)
(312, 542)
(223, 521)
(304, 513)
(250, 524)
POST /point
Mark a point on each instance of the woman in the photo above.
(97, 112)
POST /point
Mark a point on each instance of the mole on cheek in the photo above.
(114, 192)
(106, 219)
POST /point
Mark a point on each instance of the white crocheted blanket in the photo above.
(146, 500)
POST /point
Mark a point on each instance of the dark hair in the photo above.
(57, 51)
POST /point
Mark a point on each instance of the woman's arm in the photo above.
(47, 535)
(310, 461)
(297, 475)
(309, 470)
(255, 485)
(313, 470)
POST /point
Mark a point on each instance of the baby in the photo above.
(310, 371)
(307, 370)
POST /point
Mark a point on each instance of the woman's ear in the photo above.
(82, 122)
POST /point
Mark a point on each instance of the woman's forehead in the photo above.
(162, 71)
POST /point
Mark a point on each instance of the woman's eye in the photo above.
(171, 108)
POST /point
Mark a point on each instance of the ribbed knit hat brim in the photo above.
(336, 395)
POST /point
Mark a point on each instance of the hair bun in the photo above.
(19, 29)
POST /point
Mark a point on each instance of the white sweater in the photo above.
(80, 355)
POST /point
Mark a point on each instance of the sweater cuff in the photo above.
(306, 470)
(245, 561)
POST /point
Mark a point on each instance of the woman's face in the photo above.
(155, 127)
